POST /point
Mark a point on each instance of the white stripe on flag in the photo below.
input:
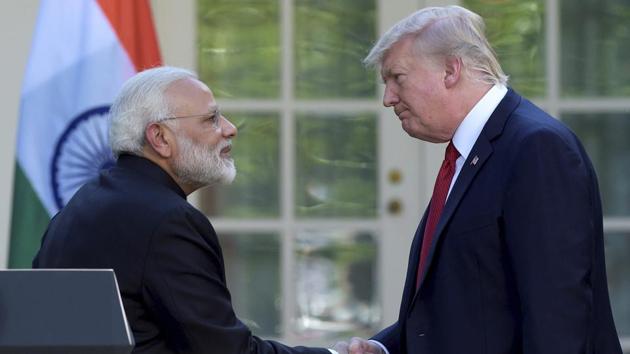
(76, 64)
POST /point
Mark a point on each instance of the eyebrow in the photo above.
(386, 72)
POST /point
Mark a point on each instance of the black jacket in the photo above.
(135, 219)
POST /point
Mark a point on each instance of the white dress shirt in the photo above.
(467, 133)
(469, 129)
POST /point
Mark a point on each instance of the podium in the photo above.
(62, 311)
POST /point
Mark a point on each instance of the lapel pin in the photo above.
(474, 160)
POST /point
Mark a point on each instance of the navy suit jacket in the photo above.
(517, 260)
(135, 219)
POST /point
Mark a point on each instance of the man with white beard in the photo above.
(170, 139)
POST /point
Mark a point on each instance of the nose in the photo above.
(227, 128)
(390, 97)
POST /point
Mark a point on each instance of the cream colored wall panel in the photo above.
(17, 20)
(175, 22)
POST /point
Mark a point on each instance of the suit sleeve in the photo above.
(390, 338)
(550, 226)
(184, 285)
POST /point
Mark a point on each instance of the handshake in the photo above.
(358, 346)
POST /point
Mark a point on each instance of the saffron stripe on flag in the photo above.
(133, 23)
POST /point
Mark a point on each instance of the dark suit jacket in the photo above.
(135, 219)
(517, 261)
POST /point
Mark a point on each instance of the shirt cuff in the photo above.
(380, 345)
(333, 351)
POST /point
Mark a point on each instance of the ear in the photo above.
(159, 139)
(453, 71)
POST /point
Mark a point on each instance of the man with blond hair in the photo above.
(509, 255)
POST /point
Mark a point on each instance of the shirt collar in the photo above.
(150, 170)
(469, 129)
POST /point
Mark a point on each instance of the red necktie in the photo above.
(438, 199)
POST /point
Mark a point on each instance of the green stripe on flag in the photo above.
(28, 222)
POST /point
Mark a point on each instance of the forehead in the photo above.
(398, 54)
(190, 96)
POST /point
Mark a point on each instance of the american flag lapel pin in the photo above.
(474, 160)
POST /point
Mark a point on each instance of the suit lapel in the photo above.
(478, 156)
(409, 290)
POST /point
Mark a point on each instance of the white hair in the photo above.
(450, 31)
(141, 102)
(197, 164)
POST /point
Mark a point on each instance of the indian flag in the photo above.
(82, 53)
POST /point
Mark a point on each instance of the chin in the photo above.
(228, 176)
(424, 137)
(414, 133)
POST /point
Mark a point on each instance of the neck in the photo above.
(165, 164)
(470, 93)
(474, 93)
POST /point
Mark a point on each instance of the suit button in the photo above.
(421, 334)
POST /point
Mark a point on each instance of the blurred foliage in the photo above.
(336, 284)
(331, 39)
(336, 168)
(256, 152)
(516, 31)
(240, 56)
(345, 250)
(253, 277)
(239, 47)
(595, 47)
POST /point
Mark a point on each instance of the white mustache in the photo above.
(226, 143)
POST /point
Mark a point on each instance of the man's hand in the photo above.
(341, 347)
(363, 346)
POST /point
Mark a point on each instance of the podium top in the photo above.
(61, 309)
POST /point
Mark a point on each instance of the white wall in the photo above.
(17, 19)
(175, 22)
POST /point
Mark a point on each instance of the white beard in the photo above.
(198, 165)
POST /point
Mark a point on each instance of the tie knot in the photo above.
(451, 152)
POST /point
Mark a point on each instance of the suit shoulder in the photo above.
(183, 209)
(186, 221)
(529, 123)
